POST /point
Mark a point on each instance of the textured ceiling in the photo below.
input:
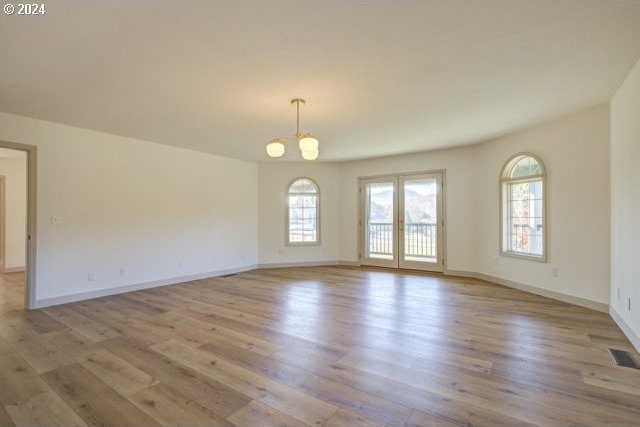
(379, 77)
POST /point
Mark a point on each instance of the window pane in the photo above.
(303, 186)
(526, 166)
(295, 214)
(521, 168)
(524, 226)
(381, 203)
(303, 212)
(295, 201)
(535, 167)
(309, 224)
(309, 201)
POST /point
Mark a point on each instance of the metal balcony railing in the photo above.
(380, 238)
(420, 240)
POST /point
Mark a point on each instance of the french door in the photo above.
(401, 223)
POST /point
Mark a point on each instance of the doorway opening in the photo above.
(17, 225)
(401, 223)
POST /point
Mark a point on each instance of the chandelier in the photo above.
(307, 143)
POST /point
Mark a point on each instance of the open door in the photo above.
(29, 233)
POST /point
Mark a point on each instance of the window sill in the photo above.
(536, 258)
(294, 244)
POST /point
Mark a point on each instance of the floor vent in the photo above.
(623, 358)
(235, 274)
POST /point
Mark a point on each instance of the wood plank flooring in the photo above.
(317, 346)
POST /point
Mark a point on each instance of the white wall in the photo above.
(272, 187)
(14, 170)
(147, 207)
(136, 205)
(625, 204)
(575, 152)
(460, 195)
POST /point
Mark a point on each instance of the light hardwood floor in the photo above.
(320, 346)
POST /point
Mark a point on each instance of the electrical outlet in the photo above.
(56, 219)
(91, 276)
(179, 265)
(618, 293)
(123, 272)
(554, 272)
(629, 303)
(213, 260)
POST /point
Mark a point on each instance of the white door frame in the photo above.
(397, 262)
(362, 199)
(31, 251)
(437, 266)
(3, 236)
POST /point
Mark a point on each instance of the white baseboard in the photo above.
(626, 329)
(582, 302)
(308, 264)
(64, 299)
(299, 264)
(46, 302)
(459, 273)
(13, 270)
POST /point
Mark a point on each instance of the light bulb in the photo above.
(310, 154)
(275, 148)
(308, 143)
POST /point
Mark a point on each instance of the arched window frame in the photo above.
(289, 193)
(506, 182)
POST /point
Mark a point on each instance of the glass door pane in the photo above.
(379, 222)
(421, 222)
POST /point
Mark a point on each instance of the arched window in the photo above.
(523, 222)
(303, 213)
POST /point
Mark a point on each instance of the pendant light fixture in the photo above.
(307, 143)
